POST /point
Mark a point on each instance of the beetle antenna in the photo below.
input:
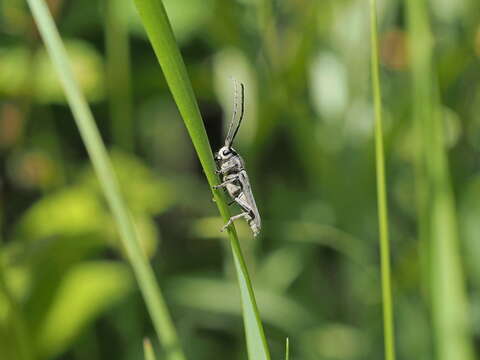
(234, 125)
(242, 109)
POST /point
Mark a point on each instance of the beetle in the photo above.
(231, 167)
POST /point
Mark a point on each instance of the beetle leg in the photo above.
(245, 214)
(228, 181)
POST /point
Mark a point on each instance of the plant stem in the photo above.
(388, 327)
(98, 155)
(157, 25)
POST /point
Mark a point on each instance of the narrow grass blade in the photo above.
(388, 327)
(148, 353)
(98, 155)
(438, 222)
(157, 25)
(287, 349)
(118, 73)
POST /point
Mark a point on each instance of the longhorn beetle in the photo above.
(231, 167)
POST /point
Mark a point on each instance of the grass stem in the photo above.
(98, 155)
(157, 25)
(388, 326)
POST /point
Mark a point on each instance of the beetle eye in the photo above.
(226, 152)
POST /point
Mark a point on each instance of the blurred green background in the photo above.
(66, 291)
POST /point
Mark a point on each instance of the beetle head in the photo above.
(225, 153)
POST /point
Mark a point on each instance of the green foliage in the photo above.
(14, 61)
(308, 142)
(437, 213)
(76, 211)
(84, 291)
(221, 297)
(87, 67)
(33, 74)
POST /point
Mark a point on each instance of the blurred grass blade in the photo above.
(148, 353)
(14, 323)
(157, 25)
(118, 73)
(388, 326)
(453, 337)
(287, 349)
(98, 155)
(85, 291)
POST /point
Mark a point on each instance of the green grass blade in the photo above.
(98, 155)
(388, 326)
(118, 73)
(148, 353)
(287, 349)
(452, 333)
(157, 25)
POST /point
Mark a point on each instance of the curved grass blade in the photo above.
(98, 155)
(157, 25)
(388, 328)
